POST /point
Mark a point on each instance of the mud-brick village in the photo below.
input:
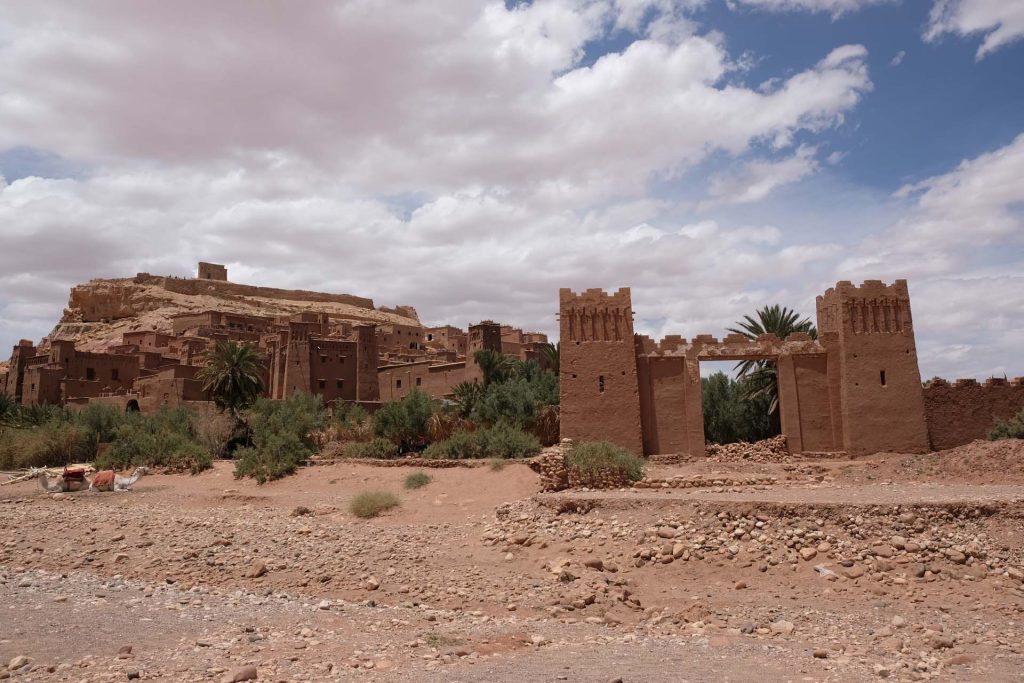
(597, 341)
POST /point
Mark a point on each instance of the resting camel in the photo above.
(108, 480)
(67, 483)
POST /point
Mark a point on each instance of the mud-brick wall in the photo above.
(963, 411)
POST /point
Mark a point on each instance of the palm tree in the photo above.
(759, 377)
(495, 366)
(233, 376)
(551, 354)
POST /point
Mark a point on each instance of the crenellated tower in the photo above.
(869, 333)
(600, 398)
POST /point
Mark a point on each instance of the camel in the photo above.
(64, 484)
(108, 480)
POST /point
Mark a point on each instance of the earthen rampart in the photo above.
(964, 410)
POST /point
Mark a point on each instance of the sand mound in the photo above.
(979, 462)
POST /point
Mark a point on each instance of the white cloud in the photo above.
(898, 58)
(1001, 21)
(456, 156)
(757, 179)
(834, 7)
(961, 244)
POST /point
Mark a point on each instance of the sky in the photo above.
(470, 158)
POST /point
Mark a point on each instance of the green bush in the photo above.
(404, 420)
(1012, 428)
(599, 456)
(512, 401)
(459, 446)
(500, 441)
(506, 441)
(276, 456)
(167, 438)
(378, 448)
(101, 420)
(417, 480)
(282, 437)
(372, 503)
(51, 444)
(349, 415)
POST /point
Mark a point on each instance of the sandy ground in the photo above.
(476, 577)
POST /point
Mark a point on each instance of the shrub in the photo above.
(371, 503)
(506, 441)
(404, 420)
(512, 401)
(378, 448)
(598, 456)
(277, 455)
(1012, 428)
(52, 444)
(500, 441)
(417, 480)
(282, 437)
(100, 420)
(167, 438)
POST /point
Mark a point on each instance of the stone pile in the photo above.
(550, 465)
(702, 481)
(766, 450)
(599, 479)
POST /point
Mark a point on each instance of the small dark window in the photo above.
(90, 373)
(114, 375)
(323, 359)
(600, 384)
(321, 383)
(881, 377)
(398, 384)
(419, 381)
(339, 383)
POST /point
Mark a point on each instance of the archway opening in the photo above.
(735, 408)
(132, 406)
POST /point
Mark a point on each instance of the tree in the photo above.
(552, 354)
(465, 395)
(233, 376)
(759, 377)
(495, 366)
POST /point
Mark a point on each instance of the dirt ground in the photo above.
(901, 567)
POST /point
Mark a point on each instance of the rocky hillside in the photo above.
(100, 311)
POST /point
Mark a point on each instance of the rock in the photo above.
(125, 650)
(820, 654)
(961, 659)
(594, 563)
(882, 671)
(18, 662)
(372, 583)
(133, 675)
(258, 569)
(301, 511)
(898, 622)
(243, 673)
(666, 532)
(808, 553)
(942, 642)
(740, 585)
(782, 627)
(324, 604)
(853, 572)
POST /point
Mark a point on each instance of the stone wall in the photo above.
(965, 410)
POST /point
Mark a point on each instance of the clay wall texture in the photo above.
(600, 393)
(880, 383)
(212, 271)
(966, 410)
